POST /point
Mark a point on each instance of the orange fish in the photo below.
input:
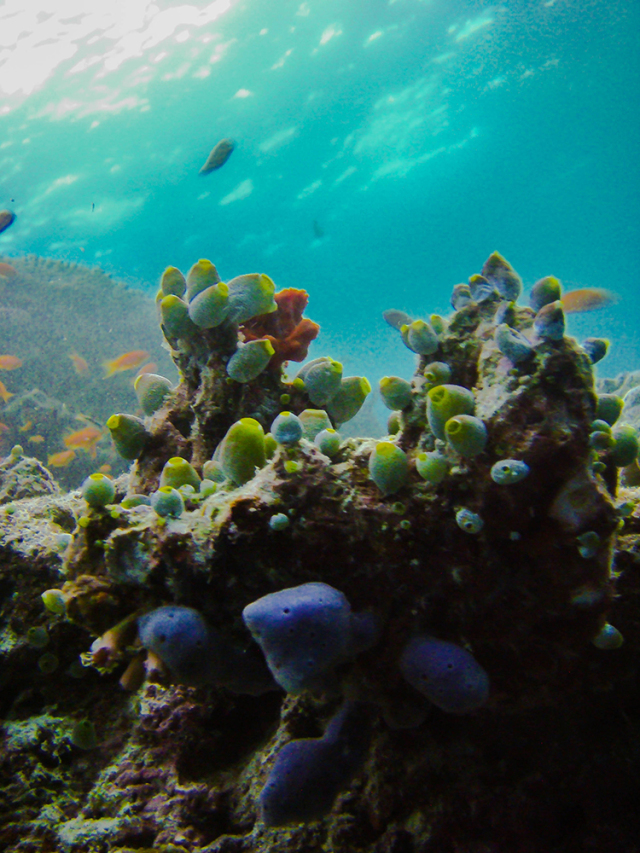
(4, 394)
(84, 439)
(587, 299)
(36, 439)
(79, 364)
(126, 361)
(104, 469)
(4, 428)
(61, 459)
(146, 368)
(26, 427)
(7, 270)
(10, 362)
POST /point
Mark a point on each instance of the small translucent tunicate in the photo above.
(508, 471)
(469, 521)
(53, 600)
(37, 636)
(286, 429)
(167, 502)
(608, 638)
(588, 544)
(279, 521)
(83, 735)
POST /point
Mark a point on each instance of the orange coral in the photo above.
(288, 331)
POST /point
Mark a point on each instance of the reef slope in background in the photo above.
(551, 761)
(50, 310)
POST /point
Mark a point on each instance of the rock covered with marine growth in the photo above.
(285, 612)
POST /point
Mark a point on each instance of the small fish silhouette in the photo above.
(126, 361)
(6, 218)
(10, 362)
(586, 299)
(219, 155)
(79, 364)
(4, 394)
(61, 459)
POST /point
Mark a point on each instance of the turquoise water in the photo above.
(384, 150)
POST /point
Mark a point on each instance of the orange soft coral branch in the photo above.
(288, 331)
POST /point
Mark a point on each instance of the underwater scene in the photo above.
(319, 426)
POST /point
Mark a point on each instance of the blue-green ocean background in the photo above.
(418, 137)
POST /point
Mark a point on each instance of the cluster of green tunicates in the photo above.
(619, 442)
(450, 414)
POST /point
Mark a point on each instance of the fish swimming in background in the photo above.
(36, 439)
(218, 156)
(10, 362)
(26, 427)
(84, 439)
(79, 364)
(587, 299)
(4, 394)
(318, 230)
(397, 319)
(4, 428)
(7, 270)
(61, 459)
(126, 361)
(6, 218)
(146, 368)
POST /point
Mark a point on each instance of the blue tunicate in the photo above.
(304, 631)
(196, 654)
(287, 429)
(309, 773)
(508, 471)
(279, 521)
(480, 288)
(448, 675)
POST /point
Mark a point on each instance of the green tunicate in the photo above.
(420, 337)
(322, 378)
(609, 408)
(249, 296)
(625, 448)
(38, 637)
(242, 451)
(201, 276)
(466, 434)
(285, 398)
(174, 315)
(438, 324)
(98, 490)
(83, 735)
(437, 373)
(54, 601)
(394, 424)
(292, 466)
(167, 502)
(133, 501)
(48, 663)
(601, 440)
(172, 282)
(469, 521)
(178, 472)
(286, 429)
(395, 392)
(250, 360)
(328, 442)
(313, 421)
(432, 466)
(129, 435)
(445, 402)
(279, 521)
(16, 451)
(608, 638)
(270, 445)
(549, 322)
(348, 400)
(600, 426)
(545, 291)
(502, 276)
(210, 307)
(207, 488)
(212, 470)
(388, 467)
(151, 391)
